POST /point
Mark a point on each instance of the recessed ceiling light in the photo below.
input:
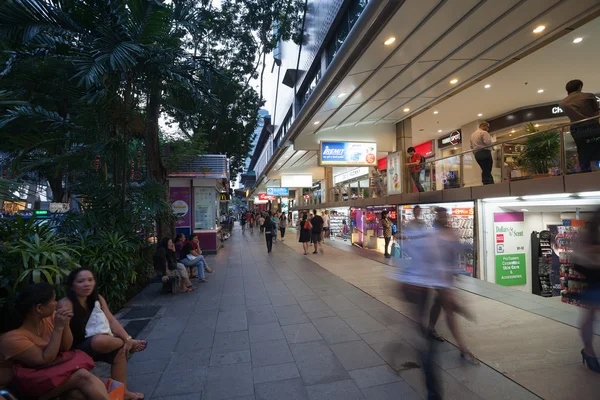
(454, 81)
(317, 122)
(341, 95)
(524, 209)
(439, 131)
(540, 90)
(389, 41)
(513, 131)
(435, 112)
(537, 125)
(406, 109)
(480, 115)
(539, 29)
(488, 86)
(510, 134)
(577, 40)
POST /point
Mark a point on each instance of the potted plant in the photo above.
(540, 152)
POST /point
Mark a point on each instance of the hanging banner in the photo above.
(394, 174)
(278, 191)
(348, 154)
(180, 204)
(509, 248)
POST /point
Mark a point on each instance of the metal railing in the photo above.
(558, 150)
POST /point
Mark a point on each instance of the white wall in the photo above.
(533, 222)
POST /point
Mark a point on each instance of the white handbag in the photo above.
(98, 323)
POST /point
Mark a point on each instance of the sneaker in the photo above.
(314, 252)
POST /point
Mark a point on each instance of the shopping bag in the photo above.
(98, 323)
(115, 389)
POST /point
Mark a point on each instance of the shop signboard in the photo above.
(463, 211)
(348, 154)
(509, 248)
(180, 204)
(266, 197)
(454, 138)
(297, 181)
(351, 174)
(278, 191)
(394, 174)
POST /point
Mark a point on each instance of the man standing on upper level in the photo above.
(480, 139)
(416, 163)
(579, 106)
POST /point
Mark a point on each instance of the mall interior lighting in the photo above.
(577, 40)
(539, 29)
(500, 199)
(488, 86)
(341, 95)
(540, 90)
(524, 209)
(588, 194)
(439, 131)
(316, 122)
(389, 41)
(480, 115)
(407, 109)
(552, 196)
(436, 112)
(454, 81)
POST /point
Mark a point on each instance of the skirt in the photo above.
(304, 236)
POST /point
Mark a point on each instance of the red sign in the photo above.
(500, 238)
(382, 164)
(370, 158)
(266, 197)
(425, 149)
(462, 211)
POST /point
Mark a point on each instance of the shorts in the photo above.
(86, 347)
(325, 229)
(315, 237)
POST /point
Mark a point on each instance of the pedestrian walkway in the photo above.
(288, 326)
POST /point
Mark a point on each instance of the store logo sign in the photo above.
(462, 211)
(275, 191)
(348, 153)
(353, 173)
(557, 110)
(265, 197)
(499, 238)
(510, 230)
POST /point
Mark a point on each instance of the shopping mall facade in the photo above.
(372, 79)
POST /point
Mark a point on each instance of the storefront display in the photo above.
(428, 171)
(367, 231)
(461, 217)
(566, 281)
(339, 224)
(205, 207)
(509, 249)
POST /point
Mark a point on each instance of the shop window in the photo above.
(314, 81)
(205, 208)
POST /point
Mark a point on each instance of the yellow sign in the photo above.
(223, 196)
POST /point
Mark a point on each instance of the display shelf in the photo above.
(572, 276)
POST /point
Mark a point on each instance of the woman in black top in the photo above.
(110, 348)
(305, 229)
(269, 227)
(165, 264)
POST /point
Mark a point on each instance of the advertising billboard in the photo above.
(296, 181)
(394, 174)
(349, 154)
(265, 197)
(278, 191)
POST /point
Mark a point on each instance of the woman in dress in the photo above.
(109, 348)
(305, 228)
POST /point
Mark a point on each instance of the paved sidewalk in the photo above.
(280, 326)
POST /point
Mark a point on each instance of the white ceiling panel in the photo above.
(373, 84)
(364, 111)
(401, 25)
(414, 104)
(347, 86)
(443, 19)
(389, 106)
(342, 114)
(441, 71)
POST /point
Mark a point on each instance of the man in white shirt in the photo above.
(483, 155)
(325, 217)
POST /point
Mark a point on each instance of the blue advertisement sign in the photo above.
(348, 153)
(278, 191)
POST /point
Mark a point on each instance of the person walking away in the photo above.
(586, 257)
(230, 222)
(251, 223)
(269, 229)
(305, 229)
(416, 163)
(325, 217)
(317, 232)
(480, 139)
(282, 225)
(261, 222)
(386, 223)
(243, 221)
(579, 106)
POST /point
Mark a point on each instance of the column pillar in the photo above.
(328, 185)
(404, 139)
(471, 170)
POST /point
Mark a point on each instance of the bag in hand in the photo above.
(35, 382)
(98, 323)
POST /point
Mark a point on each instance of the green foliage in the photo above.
(540, 152)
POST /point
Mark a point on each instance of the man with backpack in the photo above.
(416, 164)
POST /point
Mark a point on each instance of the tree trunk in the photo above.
(58, 192)
(154, 166)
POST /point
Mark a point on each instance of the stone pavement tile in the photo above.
(304, 296)
(321, 314)
(269, 353)
(352, 313)
(231, 341)
(340, 390)
(313, 305)
(325, 291)
(449, 359)
(291, 389)
(523, 304)
(229, 381)
(187, 361)
(202, 319)
(364, 324)
(380, 337)
(259, 315)
(147, 367)
(388, 316)
(257, 300)
(202, 338)
(450, 387)
(180, 382)
(266, 332)
(277, 288)
(397, 354)
(159, 348)
(374, 376)
(364, 301)
(339, 302)
(317, 363)
(233, 357)
(291, 314)
(179, 309)
(355, 355)
(231, 321)
(335, 330)
(232, 299)
(391, 391)
(300, 333)
(190, 396)
(208, 303)
(144, 383)
(282, 299)
(277, 372)
(489, 384)
(167, 327)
